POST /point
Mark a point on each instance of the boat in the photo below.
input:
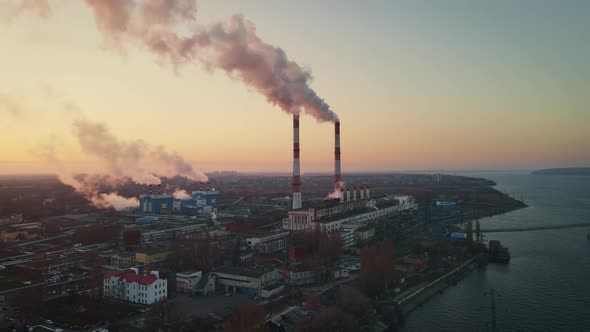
(497, 253)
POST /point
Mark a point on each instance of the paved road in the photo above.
(324, 287)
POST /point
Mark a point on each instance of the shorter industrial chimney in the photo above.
(354, 193)
(347, 195)
(341, 195)
(362, 191)
(368, 193)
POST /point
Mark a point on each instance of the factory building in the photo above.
(332, 217)
(202, 201)
(268, 242)
(249, 281)
(187, 281)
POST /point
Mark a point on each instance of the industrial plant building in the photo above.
(203, 201)
(266, 243)
(246, 280)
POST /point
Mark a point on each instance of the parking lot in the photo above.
(65, 272)
(218, 302)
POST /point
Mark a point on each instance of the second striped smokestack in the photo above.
(296, 184)
(337, 165)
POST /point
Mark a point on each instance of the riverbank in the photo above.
(408, 303)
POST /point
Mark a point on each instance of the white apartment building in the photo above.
(134, 287)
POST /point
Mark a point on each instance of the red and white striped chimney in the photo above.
(150, 189)
(296, 184)
(207, 185)
(200, 186)
(337, 166)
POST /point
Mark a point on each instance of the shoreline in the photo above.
(412, 301)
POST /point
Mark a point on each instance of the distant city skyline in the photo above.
(417, 85)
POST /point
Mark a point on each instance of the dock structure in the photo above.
(534, 228)
(411, 301)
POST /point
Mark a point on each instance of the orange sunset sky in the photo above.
(461, 85)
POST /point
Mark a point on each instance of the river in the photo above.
(546, 286)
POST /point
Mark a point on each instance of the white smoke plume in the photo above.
(123, 160)
(10, 8)
(137, 160)
(120, 161)
(90, 186)
(337, 193)
(115, 201)
(233, 47)
(11, 104)
(181, 194)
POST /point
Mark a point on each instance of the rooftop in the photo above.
(188, 272)
(131, 276)
(272, 286)
(251, 272)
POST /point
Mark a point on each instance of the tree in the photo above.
(248, 318)
(163, 316)
(329, 319)
(28, 304)
(469, 232)
(478, 232)
(377, 267)
(354, 302)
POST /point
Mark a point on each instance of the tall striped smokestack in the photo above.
(337, 167)
(200, 186)
(296, 184)
(150, 189)
(207, 185)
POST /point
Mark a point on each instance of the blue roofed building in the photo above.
(201, 201)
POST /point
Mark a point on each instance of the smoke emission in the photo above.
(11, 9)
(121, 161)
(137, 160)
(233, 47)
(181, 194)
(337, 193)
(10, 104)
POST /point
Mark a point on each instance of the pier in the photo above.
(411, 301)
(534, 228)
